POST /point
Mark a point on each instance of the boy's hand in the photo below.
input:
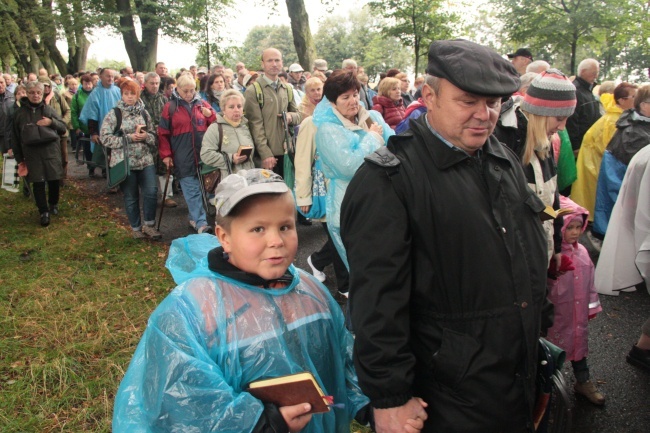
(296, 416)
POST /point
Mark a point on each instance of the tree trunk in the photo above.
(574, 49)
(141, 53)
(302, 39)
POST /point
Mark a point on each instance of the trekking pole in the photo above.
(162, 205)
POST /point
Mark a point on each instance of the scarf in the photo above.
(232, 122)
(217, 262)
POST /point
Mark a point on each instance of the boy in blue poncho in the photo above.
(242, 312)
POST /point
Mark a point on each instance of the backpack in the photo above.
(260, 94)
(118, 118)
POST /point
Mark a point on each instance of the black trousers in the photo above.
(328, 254)
(38, 189)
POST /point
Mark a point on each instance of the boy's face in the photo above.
(573, 231)
(263, 239)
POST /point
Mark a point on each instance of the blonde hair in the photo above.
(537, 140)
(230, 94)
(387, 85)
(185, 80)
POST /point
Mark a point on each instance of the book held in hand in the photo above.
(291, 390)
(549, 213)
(245, 151)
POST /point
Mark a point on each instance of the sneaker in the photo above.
(170, 202)
(193, 225)
(45, 219)
(344, 294)
(138, 234)
(596, 243)
(639, 357)
(151, 232)
(320, 275)
(205, 229)
(589, 390)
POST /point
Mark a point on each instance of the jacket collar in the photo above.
(444, 156)
(583, 83)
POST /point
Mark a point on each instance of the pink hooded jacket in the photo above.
(573, 294)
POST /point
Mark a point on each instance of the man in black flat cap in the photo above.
(448, 260)
(520, 59)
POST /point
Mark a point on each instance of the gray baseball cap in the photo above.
(245, 183)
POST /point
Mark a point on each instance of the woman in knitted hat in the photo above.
(549, 101)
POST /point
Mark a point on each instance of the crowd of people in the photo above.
(457, 241)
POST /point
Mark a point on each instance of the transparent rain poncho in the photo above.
(342, 150)
(212, 336)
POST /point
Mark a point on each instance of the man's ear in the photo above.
(223, 237)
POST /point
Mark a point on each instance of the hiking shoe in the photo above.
(205, 229)
(45, 219)
(138, 234)
(320, 275)
(639, 357)
(170, 202)
(589, 390)
(151, 232)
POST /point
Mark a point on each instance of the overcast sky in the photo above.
(246, 15)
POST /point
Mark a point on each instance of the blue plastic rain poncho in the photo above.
(212, 336)
(342, 145)
(100, 101)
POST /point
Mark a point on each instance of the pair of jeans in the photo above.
(192, 193)
(38, 189)
(146, 181)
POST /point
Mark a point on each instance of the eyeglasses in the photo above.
(628, 97)
(35, 93)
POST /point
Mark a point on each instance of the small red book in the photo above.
(290, 390)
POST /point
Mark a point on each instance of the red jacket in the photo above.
(181, 136)
(393, 112)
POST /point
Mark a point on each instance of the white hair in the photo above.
(348, 62)
(586, 65)
(526, 79)
(538, 66)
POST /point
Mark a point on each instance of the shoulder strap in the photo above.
(289, 88)
(172, 109)
(220, 127)
(118, 119)
(259, 94)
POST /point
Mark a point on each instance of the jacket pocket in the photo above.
(451, 362)
(534, 203)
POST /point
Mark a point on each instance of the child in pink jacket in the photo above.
(576, 301)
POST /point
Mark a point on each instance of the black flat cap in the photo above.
(523, 52)
(473, 68)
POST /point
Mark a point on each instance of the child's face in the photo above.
(263, 239)
(573, 231)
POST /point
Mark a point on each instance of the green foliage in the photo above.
(360, 38)
(416, 23)
(613, 31)
(262, 37)
(92, 64)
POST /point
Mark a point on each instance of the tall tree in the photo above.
(416, 23)
(262, 37)
(302, 39)
(566, 26)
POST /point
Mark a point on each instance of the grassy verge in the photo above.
(75, 298)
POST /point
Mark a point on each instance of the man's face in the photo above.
(46, 89)
(239, 66)
(193, 71)
(272, 63)
(352, 68)
(591, 74)
(464, 119)
(31, 77)
(296, 75)
(161, 70)
(128, 72)
(3, 85)
(107, 77)
(520, 63)
(139, 77)
(7, 78)
(95, 79)
(152, 85)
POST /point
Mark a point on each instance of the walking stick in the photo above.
(162, 205)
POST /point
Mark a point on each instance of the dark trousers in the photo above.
(328, 254)
(38, 189)
(279, 167)
(581, 370)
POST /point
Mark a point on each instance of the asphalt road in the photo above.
(612, 333)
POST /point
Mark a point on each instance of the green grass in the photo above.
(74, 301)
(75, 298)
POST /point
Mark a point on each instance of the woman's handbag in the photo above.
(212, 175)
(118, 174)
(35, 135)
(318, 191)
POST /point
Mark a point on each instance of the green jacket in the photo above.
(264, 123)
(77, 103)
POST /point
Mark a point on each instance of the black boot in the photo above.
(54, 209)
(45, 219)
